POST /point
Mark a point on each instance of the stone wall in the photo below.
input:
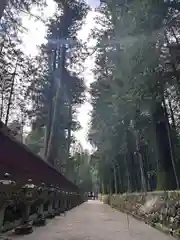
(160, 209)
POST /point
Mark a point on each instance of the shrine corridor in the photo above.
(94, 221)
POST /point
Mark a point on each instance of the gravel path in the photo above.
(95, 221)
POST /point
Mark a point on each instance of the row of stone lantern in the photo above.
(13, 193)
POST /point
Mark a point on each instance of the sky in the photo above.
(35, 36)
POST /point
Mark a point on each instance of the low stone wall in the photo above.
(160, 209)
(105, 199)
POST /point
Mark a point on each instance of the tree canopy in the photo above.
(135, 96)
(44, 92)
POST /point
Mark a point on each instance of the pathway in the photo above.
(95, 221)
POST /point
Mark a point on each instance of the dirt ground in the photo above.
(94, 221)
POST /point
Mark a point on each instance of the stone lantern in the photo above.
(66, 201)
(57, 201)
(51, 195)
(62, 201)
(70, 200)
(8, 192)
(29, 195)
(43, 195)
(29, 190)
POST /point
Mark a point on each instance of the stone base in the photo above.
(57, 212)
(39, 222)
(50, 215)
(24, 229)
(62, 212)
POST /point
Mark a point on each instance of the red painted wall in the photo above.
(22, 164)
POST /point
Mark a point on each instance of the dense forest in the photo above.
(43, 92)
(135, 96)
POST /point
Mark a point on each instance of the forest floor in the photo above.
(94, 221)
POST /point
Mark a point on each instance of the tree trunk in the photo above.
(56, 107)
(3, 4)
(129, 189)
(120, 185)
(170, 144)
(2, 102)
(11, 94)
(50, 101)
(3, 83)
(143, 181)
(115, 178)
(172, 115)
(166, 179)
(69, 138)
(69, 128)
(141, 165)
(102, 187)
